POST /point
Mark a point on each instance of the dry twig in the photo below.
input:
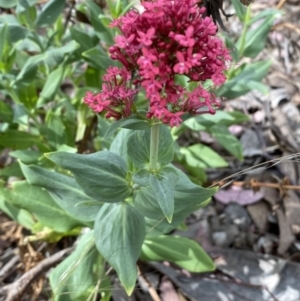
(16, 289)
(153, 293)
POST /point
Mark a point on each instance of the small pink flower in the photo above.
(146, 38)
(186, 40)
(182, 66)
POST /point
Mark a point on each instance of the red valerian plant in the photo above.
(132, 196)
(168, 38)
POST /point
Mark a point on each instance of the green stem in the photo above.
(245, 29)
(241, 49)
(154, 141)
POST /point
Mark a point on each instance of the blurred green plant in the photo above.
(49, 58)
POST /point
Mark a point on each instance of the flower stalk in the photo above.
(154, 141)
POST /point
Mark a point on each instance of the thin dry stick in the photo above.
(15, 290)
(9, 267)
(280, 4)
(287, 25)
(274, 161)
(153, 293)
(254, 184)
(96, 290)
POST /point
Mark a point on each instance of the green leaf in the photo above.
(93, 77)
(240, 9)
(229, 42)
(119, 235)
(227, 140)
(3, 126)
(98, 58)
(218, 117)
(163, 187)
(239, 84)
(141, 140)
(101, 175)
(4, 44)
(55, 56)
(27, 156)
(145, 202)
(180, 250)
(189, 197)
(50, 13)
(20, 114)
(239, 117)
(51, 86)
(133, 123)
(8, 3)
(188, 194)
(55, 130)
(28, 72)
(39, 203)
(21, 216)
(255, 38)
(193, 124)
(12, 170)
(18, 140)
(28, 95)
(6, 112)
(205, 156)
(65, 192)
(101, 30)
(83, 38)
(204, 122)
(119, 144)
(17, 32)
(74, 278)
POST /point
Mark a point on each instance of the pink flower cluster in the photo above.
(116, 97)
(169, 38)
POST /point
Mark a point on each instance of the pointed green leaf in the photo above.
(28, 156)
(75, 278)
(64, 191)
(119, 144)
(21, 216)
(19, 140)
(227, 140)
(239, 9)
(189, 197)
(207, 156)
(101, 30)
(39, 203)
(141, 140)
(6, 112)
(83, 38)
(28, 72)
(163, 186)
(238, 85)
(8, 3)
(119, 235)
(256, 38)
(101, 175)
(132, 123)
(180, 250)
(145, 202)
(51, 86)
(189, 194)
(50, 13)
